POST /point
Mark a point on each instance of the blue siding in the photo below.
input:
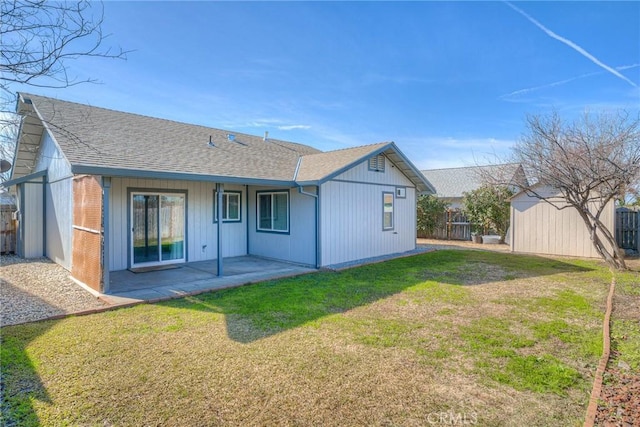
(299, 245)
(351, 215)
(201, 233)
(59, 202)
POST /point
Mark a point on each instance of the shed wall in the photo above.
(538, 227)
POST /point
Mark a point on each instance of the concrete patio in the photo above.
(125, 286)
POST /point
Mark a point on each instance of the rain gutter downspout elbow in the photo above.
(317, 200)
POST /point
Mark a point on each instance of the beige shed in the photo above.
(539, 227)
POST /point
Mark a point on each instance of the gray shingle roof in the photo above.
(322, 166)
(315, 167)
(93, 136)
(102, 141)
(454, 182)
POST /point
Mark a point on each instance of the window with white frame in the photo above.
(387, 211)
(273, 211)
(231, 209)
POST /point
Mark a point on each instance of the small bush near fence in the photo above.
(429, 215)
(437, 222)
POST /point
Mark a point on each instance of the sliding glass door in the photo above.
(157, 228)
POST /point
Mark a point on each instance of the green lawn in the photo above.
(495, 338)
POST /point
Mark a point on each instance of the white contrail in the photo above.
(571, 45)
(561, 82)
(558, 83)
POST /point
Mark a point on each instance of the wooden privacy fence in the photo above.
(7, 229)
(452, 225)
(628, 228)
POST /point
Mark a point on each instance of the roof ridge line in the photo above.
(470, 167)
(349, 148)
(272, 140)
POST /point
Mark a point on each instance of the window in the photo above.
(401, 193)
(376, 163)
(230, 206)
(387, 211)
(273, 211)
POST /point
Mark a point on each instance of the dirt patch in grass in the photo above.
(444, 335)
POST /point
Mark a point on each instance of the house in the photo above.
(102, 190)
(552, 227)
(451, 183)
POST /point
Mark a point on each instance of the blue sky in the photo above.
(449, 82)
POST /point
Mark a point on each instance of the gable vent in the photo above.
(376, 163)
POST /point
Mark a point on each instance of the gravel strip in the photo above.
(36, 289)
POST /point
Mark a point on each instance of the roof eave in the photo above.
(23, 179)
(421, 183)
(355, 162)
(182, 176)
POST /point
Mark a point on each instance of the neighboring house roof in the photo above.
(454, 182)
(97, 141)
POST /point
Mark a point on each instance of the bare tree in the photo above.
(37, 39)
(591, 162)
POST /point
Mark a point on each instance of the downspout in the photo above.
(219, 190)
(317, 197)
(512, 228)
(246, 191)
(106, 187)
(44, 215)
(317, 202)
(21, 223)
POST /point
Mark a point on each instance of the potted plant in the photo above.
(476, 233)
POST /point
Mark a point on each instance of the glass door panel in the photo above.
(145, 228)
(172, 227)
(158, 228)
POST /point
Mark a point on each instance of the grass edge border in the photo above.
(592, 409)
